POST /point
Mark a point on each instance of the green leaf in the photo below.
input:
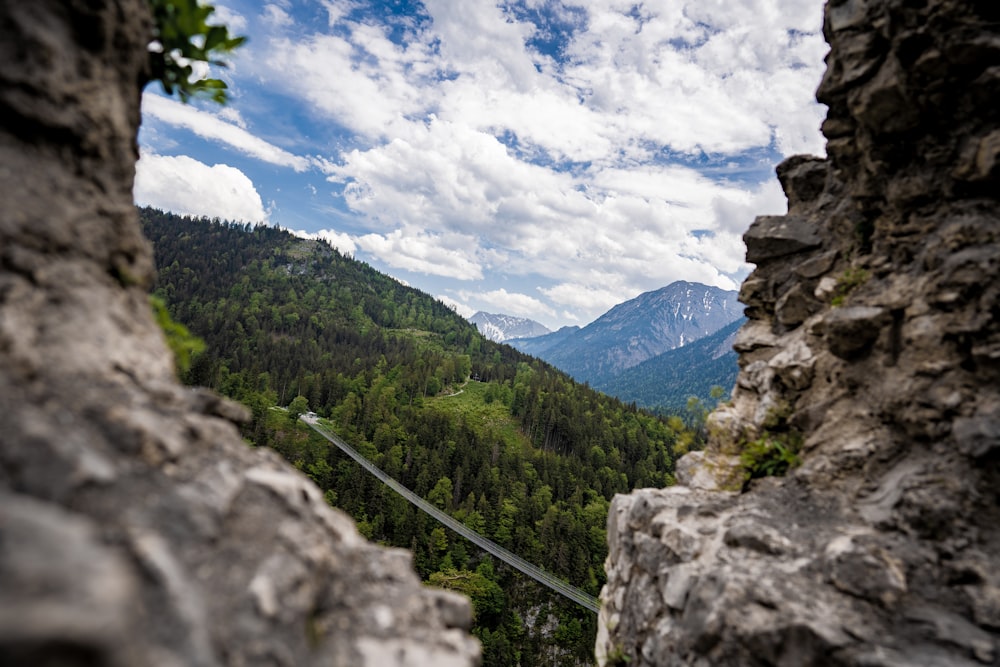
(183, 36)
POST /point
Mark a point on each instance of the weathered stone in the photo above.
(795, 306)
(752, 292)
(951, 628)
(977, 437)
(862, 569)
(858, 57)
(136, 526)
(772, 236)
(817, 266)
(753, 335)
(883, 105)
(981, 162)
(709, 473)
(826, 288)
(794, 365)
(678, 583)
(757, 537)
(851, 331)
(803, 178)
(841, 16)
(879, 548)
(756, 376)
(60, 580)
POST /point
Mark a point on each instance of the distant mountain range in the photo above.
(500, 328)
(667, 380)
(636, 333)
(537, 347)
(637, 330)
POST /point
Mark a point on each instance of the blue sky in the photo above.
(542, 158)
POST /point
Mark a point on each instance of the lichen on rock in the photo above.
(874, 321)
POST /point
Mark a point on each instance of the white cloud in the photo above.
(231, 115)
(514, 303)
(602, 236)
(213, 127)
(186, 186)
(364, 81)
(695, 75)
(449, 255)
(339, 240)
(276, 17)
(465, 154)
(580, 298)
(233, 20)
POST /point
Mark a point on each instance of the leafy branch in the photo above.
(181, 37)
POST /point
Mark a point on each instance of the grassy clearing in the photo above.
(426, 341)
(470, 404)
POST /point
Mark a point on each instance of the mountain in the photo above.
(499, 327)
(538, 345)
(666, 381)
(639, 329)
(522, 454)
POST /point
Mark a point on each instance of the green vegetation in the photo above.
(847, 282)
(618, 658)
(776, 451)
(523, 455)
(771, 455)
(667, 382)
(181, 342)
(182, 36)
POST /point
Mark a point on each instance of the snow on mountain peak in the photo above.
(499, 327)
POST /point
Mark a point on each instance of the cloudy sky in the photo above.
(541, 158)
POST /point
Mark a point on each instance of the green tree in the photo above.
(441, 494)
(298, 407)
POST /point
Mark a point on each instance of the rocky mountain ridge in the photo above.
(669, 379)
(870, 367)
(538, 345)
(638, 329)
(499, 327)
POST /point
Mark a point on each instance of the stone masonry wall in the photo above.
(874, 341)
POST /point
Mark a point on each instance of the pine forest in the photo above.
(501, 441)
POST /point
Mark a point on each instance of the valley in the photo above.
(525, 456)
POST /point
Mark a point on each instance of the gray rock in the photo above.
(136, 527)
(817, 266)
(977, 437)
(710, 473)
(772, 236)
(803, 178)
(859, 567)
(795, 306)
(880, 548)
(850, 331)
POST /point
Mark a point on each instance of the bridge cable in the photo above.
(541, 576)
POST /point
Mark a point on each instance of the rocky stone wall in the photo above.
(874, 344)
(136, 527)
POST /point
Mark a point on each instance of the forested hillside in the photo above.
(669, 380)
(504, 442)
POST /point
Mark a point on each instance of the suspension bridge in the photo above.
(541, 576)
